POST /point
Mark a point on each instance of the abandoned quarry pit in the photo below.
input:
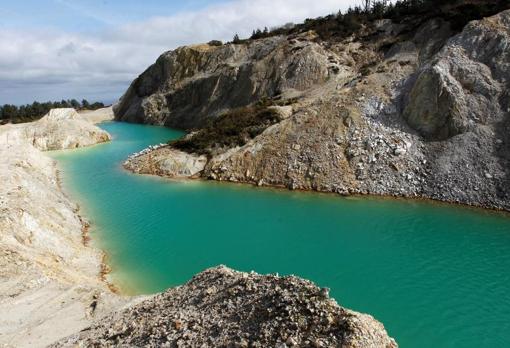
(399, 112)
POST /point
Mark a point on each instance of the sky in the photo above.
(93, 49)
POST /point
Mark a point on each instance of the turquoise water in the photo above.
(435, 275)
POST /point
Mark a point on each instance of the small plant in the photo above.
(215, 43)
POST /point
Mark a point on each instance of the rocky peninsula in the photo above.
(52, 291)
(415, 107)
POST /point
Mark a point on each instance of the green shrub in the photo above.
(234, 128)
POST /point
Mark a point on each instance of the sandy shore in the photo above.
(50, 283)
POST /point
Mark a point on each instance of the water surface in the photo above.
(435, 275)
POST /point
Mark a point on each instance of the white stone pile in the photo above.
(144, 151)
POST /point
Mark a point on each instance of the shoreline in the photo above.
(401, 123)
(104, 268)
(103, 306)
(96, 117)
(283, 188)
(51, 282)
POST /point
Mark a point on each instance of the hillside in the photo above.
(414, 106)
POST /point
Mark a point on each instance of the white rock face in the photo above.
(59, 129)
(461, 88)
(167, 162)
(191, 84)
(50, 282)
(99, 115)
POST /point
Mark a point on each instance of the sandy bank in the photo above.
(49, 280)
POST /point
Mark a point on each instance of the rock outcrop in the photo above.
(462, 87)
(410, 109)
(224, 308)
(187, 86)
(167, 162)
(50, 282)
(59, 129)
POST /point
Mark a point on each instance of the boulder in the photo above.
(463, 85)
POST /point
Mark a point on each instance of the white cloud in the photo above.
(86, 64)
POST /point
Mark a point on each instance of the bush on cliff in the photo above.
(458, 12)
(234, 128)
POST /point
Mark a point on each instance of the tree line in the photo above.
(458, 12)
(36, 110)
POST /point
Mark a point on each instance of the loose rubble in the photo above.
(224, 308)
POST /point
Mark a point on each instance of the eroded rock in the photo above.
(462, 87)
(59, 129)
(186, 86)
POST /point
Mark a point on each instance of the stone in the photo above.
(462, 86)
(399, 151)
(291, 341)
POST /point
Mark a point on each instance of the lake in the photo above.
(436, 275)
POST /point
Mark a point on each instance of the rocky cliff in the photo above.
(413, 108)
(224, 308)
(187, 86)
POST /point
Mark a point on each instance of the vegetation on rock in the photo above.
(234, 128)
(458, 12)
